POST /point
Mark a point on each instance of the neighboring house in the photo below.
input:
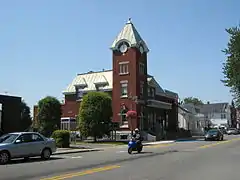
(130, 86)
(10, 113)
(190, 119)
(218, 113)
(233, 116)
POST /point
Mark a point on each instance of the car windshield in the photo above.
(212, 132)
(3, 137)
(8, 138)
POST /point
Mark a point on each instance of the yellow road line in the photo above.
(82, 173)
(215, 144)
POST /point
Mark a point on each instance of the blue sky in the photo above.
(44, 44)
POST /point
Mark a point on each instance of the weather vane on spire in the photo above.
(129, 20)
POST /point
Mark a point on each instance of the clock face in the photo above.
(141, 49)
(123, 48)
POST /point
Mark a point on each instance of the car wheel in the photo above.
(46, 154)
(4, 157)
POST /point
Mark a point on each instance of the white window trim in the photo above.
(123, 84)
(124, 62)
(121, 64)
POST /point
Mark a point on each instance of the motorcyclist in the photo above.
(137, 136)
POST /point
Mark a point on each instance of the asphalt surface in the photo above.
(193, 160)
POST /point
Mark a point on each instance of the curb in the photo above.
(76, 151)
(190, 139)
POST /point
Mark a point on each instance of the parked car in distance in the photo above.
(25, 145)
(232, 131)
(223, 130)
(214, 134)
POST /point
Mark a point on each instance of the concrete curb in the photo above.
(76, 151)
(190, 139)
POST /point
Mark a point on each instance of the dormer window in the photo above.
(151, 92)
(100, 83)
(100, 86)
(79, 92)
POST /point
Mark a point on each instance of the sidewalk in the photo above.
(81, 149)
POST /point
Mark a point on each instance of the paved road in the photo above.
(178, 161)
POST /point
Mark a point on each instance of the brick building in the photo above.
(130, 86)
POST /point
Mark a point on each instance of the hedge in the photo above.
(62, 138)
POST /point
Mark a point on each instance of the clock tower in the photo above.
(130, 75)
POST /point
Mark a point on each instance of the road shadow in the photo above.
(31, 160)
(149, 153)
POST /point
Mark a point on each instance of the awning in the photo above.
(159, 104)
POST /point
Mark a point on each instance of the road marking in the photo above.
(121, 151)
(215, 144)
(68, 157)
(158, 145)
(76, 157)
(82, 173)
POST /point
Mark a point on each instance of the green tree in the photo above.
(231, 66)
(26, 119)
(95, 114)
(49, 115)
(192, 100)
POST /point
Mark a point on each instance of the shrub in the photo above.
(62, 138)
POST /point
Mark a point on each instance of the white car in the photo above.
(25, 145)
(232, 131)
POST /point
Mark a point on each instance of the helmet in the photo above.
(136, 130)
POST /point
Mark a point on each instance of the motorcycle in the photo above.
(134, 146)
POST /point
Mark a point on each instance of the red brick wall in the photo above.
(133, 78)
(71, 106)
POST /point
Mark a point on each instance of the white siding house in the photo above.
(189, 119)
(219, 114)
